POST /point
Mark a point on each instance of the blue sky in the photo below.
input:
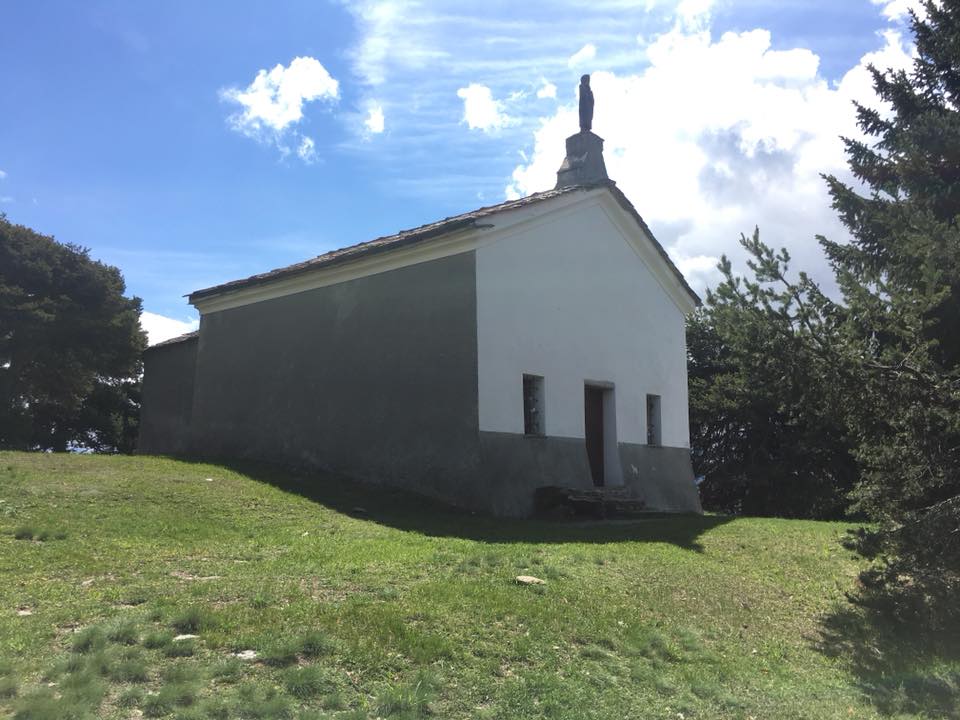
(142, 132)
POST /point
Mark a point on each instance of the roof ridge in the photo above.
(435, 229)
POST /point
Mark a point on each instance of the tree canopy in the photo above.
(70, 347)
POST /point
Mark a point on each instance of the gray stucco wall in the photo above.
(513, 466)
(167, 402)
(374, 378)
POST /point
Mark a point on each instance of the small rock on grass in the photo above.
(246, 654)
(185, 636)
(24, 612)
(530, 580)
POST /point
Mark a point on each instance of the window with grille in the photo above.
(533, 417)
(653, 419)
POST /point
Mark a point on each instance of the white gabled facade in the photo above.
(581, 295)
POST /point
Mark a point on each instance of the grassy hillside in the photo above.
(363, 604)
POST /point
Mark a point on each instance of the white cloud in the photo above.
(3, 175)
(306, 151)
(274, 101)
(480, 110)
(547, 90)
(6, 199)
(707, 134)
(584, 55)
(900, 9)
(390, 42)
(694, 14)
(374, 123)
(742, 145)
(160, 327)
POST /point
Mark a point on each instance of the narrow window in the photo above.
(653, 419)
(533, 420)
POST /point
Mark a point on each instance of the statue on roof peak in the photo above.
(586, 104)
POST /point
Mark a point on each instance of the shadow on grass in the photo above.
(407, 511)
(902, 667)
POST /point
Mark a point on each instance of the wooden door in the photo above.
(593, 427)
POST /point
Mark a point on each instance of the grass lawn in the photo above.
(309, 597)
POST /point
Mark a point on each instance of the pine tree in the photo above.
(766, 437)
(898, 330)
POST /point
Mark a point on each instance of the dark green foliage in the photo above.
(900, 328)
(24, 533)
(765, 435)
(69, 346)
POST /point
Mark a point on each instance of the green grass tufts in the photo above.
(129, 667)
(123, 632)
(158, 640)
(180, 649)
(306, 682)
(280, 654)
(89, 640)
(8, 687)
(408, 700)
(157, 705)
(228, 671)
(193, 620)
(316, 643)
(263, 702)
(130, 698)
(24, 532)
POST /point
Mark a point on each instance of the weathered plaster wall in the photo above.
(513, 466)
(374, 378)
(167, 401)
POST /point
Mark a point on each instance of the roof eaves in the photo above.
(386, 243)
(187, 337)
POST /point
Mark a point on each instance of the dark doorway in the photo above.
(593, 429)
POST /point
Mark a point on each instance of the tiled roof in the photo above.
(423, 233)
